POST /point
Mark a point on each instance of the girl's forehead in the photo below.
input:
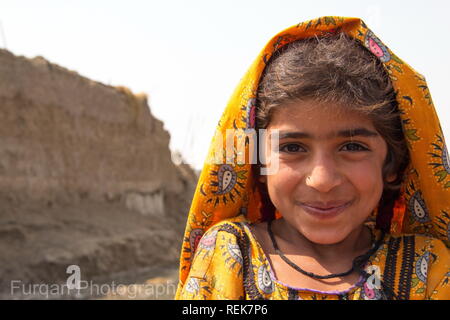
(317, 116)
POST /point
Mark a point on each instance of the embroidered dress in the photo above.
(231, 264)
(221, 258)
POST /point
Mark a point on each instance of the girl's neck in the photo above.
(356, 243)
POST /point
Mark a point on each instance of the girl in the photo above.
(356, 203)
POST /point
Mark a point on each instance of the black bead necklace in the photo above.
(358, 261)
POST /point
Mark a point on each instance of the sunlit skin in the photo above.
(328, 157)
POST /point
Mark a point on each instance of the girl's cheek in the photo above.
(285, 181)
(366, 177)
(289, 173)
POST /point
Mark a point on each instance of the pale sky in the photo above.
(188, 56)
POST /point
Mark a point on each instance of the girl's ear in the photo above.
(262, 179)
(391, 177)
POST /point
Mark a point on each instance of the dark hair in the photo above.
(337, 70)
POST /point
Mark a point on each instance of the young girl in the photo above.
(356, 202)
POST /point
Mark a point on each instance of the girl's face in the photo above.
(329, 176)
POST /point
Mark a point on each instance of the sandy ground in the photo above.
(114, 248)
(162, 287)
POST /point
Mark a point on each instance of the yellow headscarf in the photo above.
(227, 190)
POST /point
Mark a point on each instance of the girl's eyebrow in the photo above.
(347, 133)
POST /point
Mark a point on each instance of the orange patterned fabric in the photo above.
(230, 264)
(226, 190)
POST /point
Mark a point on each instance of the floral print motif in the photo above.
(418, 208)
(377, 47)
(422, 267)
(264, 281)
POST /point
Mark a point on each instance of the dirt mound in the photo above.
(86, 179)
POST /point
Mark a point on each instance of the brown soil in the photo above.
(110, 244)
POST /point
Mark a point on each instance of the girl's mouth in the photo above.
(325, 211)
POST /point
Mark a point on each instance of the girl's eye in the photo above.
(355, 147)
(295, 148)
(291, 148)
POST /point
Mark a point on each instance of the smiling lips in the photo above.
(325, 210)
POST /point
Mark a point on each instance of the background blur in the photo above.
(189, 55)
(107, 109)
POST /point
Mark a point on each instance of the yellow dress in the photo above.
(222, 260)
(415, 267)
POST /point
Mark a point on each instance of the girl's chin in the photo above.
(325, 242)
(325, 237)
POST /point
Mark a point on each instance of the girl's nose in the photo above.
(323, 178)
